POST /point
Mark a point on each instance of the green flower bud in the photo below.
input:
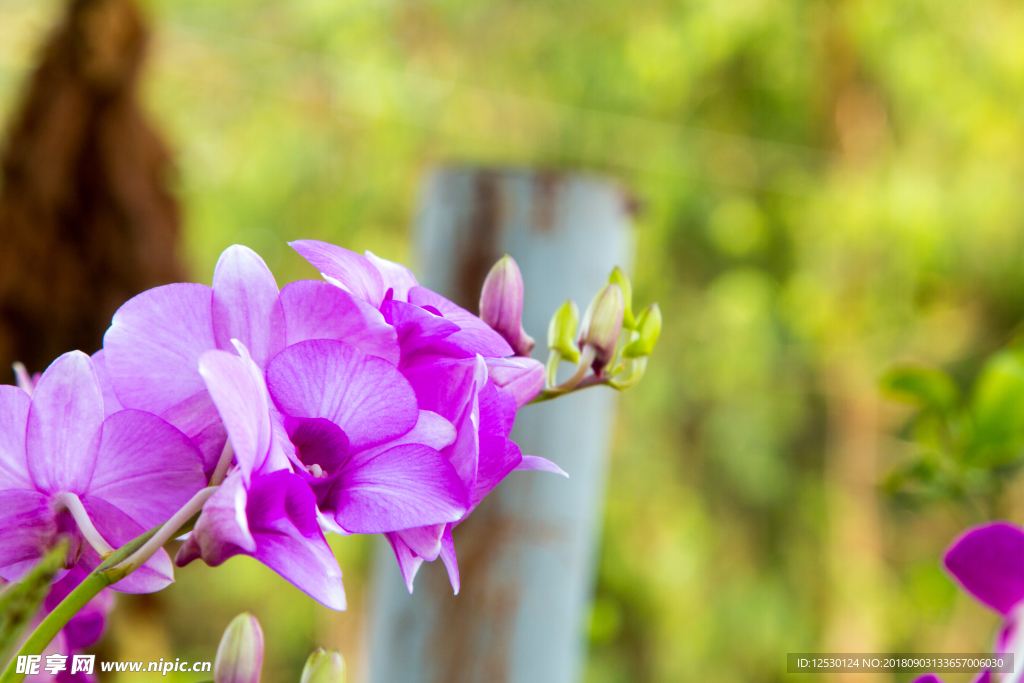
(602, 324)
(620, 278)
(562, 331)
(649, 326)
(240, 654)
(324, 667)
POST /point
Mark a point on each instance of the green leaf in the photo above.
(20, 602)
(997, 408)
(924, 387)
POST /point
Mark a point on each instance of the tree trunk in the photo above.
(86, 219)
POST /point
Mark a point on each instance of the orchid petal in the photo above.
(27, 525)
(498, 457)
(282, 518)
(451, 563)
(523, 382)
(364, 395)
(475, 336)
(447, 386)
(431, 430)
(425, 541)
(222, 530)
(197, 418)
(145, 467)
(319, 310)
(420, 332)
(988, 561)
(243, 404)
(408, 562)
(395, 276)
(352, 272)
(497, 411)
(404, 487)
(65, 415)
(246, 305)
(534, 462)
(117, 528)
(14, 406)
(452, 389)
(110, 403)
(153, 346)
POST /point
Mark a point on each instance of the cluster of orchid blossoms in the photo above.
(255, 419)
(240, 657)
(988, 562)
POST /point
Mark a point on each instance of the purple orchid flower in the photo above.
(67, 469)
(377, 282)
(457, 385)
(152, 349)
(460, 369)
(262, 508)
(361, 440)
(988, 562)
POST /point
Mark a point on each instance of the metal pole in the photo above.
(527, 554)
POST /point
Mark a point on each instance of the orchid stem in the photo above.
(167, 530)
(119, 564)
(103, 576)
(221, 470)
(73, 504)
(585, 383)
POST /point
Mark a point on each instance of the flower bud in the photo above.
(562, 331)
(324, 667)
(602, 324)
(619, 277)
(649, 326)
(240, 655)
(501, 305)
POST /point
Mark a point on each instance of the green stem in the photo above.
(101, 577)
(555, 392)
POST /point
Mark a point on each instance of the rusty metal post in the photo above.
(527, 553)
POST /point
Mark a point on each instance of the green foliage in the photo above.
(927, 388)
(966, 450)
(20, 602)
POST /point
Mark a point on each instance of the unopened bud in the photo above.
(562, 331)
(602, 324)
(240, 655)
(501, 304)
(649, 326)
(620, 278)
(324, 667)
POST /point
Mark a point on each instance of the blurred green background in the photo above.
(828, 188)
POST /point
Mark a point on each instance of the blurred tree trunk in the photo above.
(86, 217)
(856, 569)
(856, 127)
